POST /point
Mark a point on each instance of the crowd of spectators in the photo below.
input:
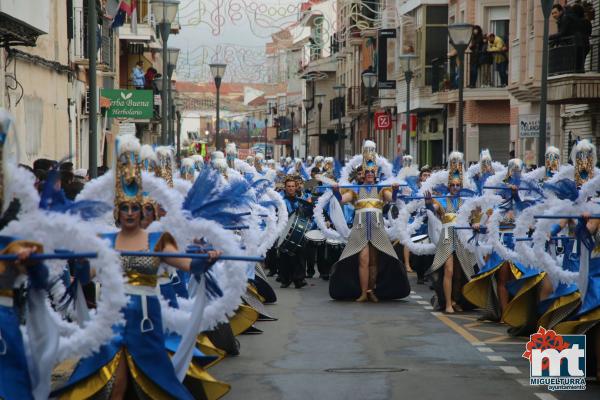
(488, 52)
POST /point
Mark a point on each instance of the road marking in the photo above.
(523, 382)
(416, 297)
(496, 358)
(478, 344)
(485, 349)
(458, 329)
(428, 307)
(545, 396)
(423, 302)
(510, 369)
(413, 292)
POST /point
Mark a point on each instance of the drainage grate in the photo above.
(365, 370)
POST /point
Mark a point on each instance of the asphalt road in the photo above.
(322, 349)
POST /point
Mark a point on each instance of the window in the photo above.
(499, 18)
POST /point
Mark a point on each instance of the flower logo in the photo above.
(543, 340)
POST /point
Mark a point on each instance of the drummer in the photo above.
(291, 266)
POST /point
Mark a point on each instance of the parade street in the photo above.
(323, 349)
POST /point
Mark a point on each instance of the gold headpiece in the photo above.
(369, 156)
(552, 161)
(164, 155)
(148, 159)
(455, 168)
(187, 169)
(128, 174)
(513, 167)
(583, 157)
(485, 162)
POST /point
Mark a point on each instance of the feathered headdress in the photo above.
(220, 165)
(148, 159)
(198, 161)
(258, 161)
(231, 152)
(369, 156)
(187, 169)
(584, 158)
(485, 162)
(128, 174)
(455, 168)
(552, 161)
(166, 163)
(407, 161)
(514, 168)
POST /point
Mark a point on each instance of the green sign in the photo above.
(135, 104)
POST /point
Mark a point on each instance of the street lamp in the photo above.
(339, 91)
(172, 55)
(164, 12)
(460, 37)
(308, 105)
(405, 60)
(546, 10)
(320, 97)
(266, 135)
(218, 70)
(248, 133)
(292, 115)
(369, 81)
(180, 104)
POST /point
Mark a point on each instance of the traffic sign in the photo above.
(383, 121)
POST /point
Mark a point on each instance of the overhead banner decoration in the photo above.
(413, 124)
(135, 104)
(386, 58)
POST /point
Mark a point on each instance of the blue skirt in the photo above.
(14, 375)
(146, 349)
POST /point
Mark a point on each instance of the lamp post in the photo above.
(369, 81)
(308, 104)
(92, 25)
(164, 12)
(266, 135)
(179, 104)
(292, 115)
(339, 91)
(405, 60)
(546, 10)
(248, 133)
(218, 70)
(319, 99)
(172, 56)
(460, 37)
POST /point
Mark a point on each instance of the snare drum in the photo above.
(316, 237)
(333, 251)
(295, 237)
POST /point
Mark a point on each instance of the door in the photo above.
(495, 138)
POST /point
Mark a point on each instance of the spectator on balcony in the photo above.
(149, 78)
(498, 48)
(485, 65)
(478, 49)
(584, 29)
(137, 75)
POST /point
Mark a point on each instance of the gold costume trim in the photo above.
(476, 290)
(212, 388)
(518, 311)
(373, 203)
(139, 279)
(15, 247)
(448, 218)
(149, 387)
(571, 327)
(94, 383)
(255, 293)
(243, 319)
(557, 304)
(7, 293)
(208, 348)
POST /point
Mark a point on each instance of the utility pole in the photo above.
(92, 25)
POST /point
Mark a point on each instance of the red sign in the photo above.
(383, 121)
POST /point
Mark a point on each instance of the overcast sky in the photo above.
(234, 31)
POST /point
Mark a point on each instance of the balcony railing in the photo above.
(489, 70)
(565, 57)
(336, 108)
(104, 38)
(353, 97)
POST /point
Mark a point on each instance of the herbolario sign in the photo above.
(134, 104)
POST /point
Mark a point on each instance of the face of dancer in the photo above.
(130, 215)
(149, 215)
(290, 189)
(454, 188)
(369, 177)
(425, 176)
